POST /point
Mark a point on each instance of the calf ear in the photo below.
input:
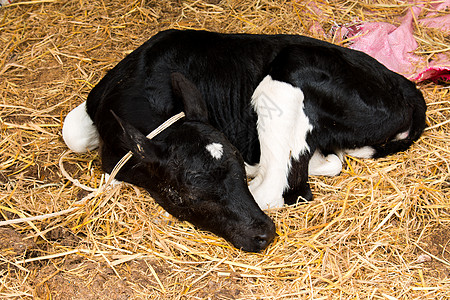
(143, 148)
(194, 106)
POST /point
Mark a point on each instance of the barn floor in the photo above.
(380, 230)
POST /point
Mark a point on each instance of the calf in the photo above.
(283, 104)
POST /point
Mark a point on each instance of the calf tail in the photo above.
(79, 132)
(402, 141)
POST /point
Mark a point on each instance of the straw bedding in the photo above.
(380, 230)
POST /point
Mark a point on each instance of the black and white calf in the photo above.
(283, 104)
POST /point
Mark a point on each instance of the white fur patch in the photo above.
(319, 165)
(251, 170)
(215, 149)
(401, 136)
(79, 132)
(329, 165)
(364, 152)
(282, 130)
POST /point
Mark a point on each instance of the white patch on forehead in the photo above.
(215, 149)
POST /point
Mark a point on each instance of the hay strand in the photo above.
(380, 230)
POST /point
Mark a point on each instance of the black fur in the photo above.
(350, 99)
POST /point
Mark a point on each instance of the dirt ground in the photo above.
(380, 230)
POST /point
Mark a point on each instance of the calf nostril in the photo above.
(263, 239)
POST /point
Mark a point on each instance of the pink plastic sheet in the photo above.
(394, 46)
(5, 2)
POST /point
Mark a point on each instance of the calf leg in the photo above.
(329, 165)
(282, 129)
(298, 180)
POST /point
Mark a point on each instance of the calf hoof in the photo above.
(266, 198)
(294, 197)
(321, 165)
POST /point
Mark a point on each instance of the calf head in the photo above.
(197, 175)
